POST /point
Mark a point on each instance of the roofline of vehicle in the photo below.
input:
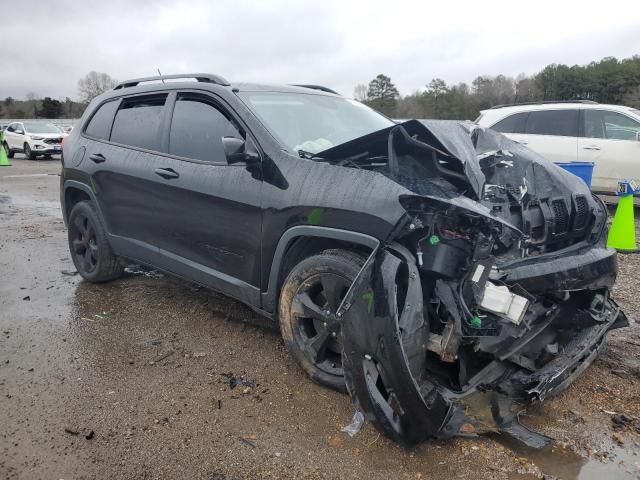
(316, 87)
(198, 77)
(545, 102)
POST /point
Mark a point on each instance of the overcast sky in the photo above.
(49, 45)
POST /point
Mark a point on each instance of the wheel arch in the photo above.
(302, 241)
(74, 192)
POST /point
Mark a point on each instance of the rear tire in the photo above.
(308, 301)
(89, 247)
(28, 152)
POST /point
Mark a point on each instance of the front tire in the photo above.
(8, 150)
(308, 303)
(28, 152)
(89, 247)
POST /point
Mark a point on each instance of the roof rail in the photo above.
(317, 87)
(542, 103)
(199, 77)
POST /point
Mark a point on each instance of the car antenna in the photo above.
(160, 75)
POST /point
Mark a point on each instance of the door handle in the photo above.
(522, 142)
(167, 173)
(97, 157)
(591, 147)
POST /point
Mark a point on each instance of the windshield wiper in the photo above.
(307, 155)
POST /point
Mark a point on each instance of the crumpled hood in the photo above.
(479, 170)
(451, 137)
(468, 144)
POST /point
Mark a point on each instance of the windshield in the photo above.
(37, 127)
(312, 123)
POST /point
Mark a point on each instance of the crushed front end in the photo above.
(487, 296)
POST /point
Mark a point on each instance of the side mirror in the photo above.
(240, 151)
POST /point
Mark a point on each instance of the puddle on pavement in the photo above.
(559, 462)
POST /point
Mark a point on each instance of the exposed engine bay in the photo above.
(491, 292)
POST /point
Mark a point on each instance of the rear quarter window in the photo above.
(100, 124)
(138, 120)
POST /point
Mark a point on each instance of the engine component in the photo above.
(499, 300)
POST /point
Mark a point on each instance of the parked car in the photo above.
(34, 139)
(607, 135)
(441, 272)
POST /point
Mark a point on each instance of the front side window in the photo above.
(100, 124)
(512, 124)
(562, 123)
(611, 125)
(138, 120)
(313, 123)
(38, 127)
(197, 128)
(11, 128)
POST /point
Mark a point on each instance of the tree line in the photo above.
(606, 81)
(89, 87)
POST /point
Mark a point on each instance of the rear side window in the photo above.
(137, 122)
(512, 124)
(562, 123)
(100, 124)
(612, 125)
(197, 128)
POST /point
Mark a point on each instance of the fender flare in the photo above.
(86, 189)
(269, 298)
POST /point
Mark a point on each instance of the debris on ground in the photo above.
(138, 270)
(336, 441)
(69, 272)
(234, 381)
(162, 357)
(27, 298)
(248, 441)
(623, 423)
(356, 424)
(85, 432)
(573, 416)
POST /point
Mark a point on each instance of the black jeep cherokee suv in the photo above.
(442, 272)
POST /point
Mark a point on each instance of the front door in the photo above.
(174, 196)
(14, 136)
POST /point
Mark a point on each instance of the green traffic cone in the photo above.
(4, 160)
(622, 235)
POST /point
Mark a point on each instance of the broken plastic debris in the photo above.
(138, 270)
(356, 424)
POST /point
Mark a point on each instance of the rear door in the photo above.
(609, 140)
(553, 134)
(170, 197)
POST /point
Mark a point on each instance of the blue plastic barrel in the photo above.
(584, 170)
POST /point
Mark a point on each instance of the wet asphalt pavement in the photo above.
(133, 379)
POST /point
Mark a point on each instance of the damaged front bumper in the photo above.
(423, 359)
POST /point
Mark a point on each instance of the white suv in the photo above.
(33, 139)
(607, 135)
